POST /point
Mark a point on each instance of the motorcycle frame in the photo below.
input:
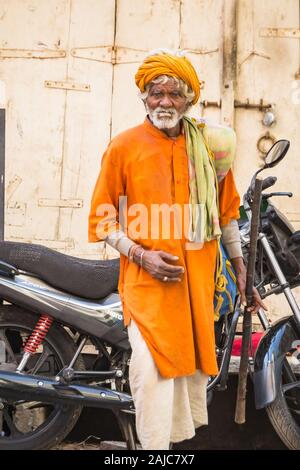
(270, 353)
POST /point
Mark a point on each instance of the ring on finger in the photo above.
(165, 278)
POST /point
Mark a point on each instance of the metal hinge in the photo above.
(247, 105)
(67, 85)
(71, 203)
(121, 55)
(97, 53)
(109, 54)
(238, 104)
(280, 33)
(211, 104)
(31, 54)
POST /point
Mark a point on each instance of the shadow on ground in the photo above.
(222, 433)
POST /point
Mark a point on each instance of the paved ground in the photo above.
(92, 443)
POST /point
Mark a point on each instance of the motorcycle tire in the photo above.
(18, 420)
(284, 414)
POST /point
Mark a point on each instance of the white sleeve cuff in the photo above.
(120, 242)
(231, 239)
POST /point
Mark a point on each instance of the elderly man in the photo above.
(167, 277)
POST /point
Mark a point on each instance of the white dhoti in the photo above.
(167, 410)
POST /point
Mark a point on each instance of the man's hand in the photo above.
(155, 262)
(241, 273)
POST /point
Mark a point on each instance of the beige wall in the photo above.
(57, 132)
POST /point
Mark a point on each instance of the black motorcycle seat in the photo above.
(81, 277)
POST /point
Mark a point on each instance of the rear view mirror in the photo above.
(276, 153)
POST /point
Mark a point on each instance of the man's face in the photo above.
(166, 104)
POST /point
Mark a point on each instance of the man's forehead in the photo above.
(168, 85)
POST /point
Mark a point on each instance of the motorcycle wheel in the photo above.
(34, 425)
(284, 412)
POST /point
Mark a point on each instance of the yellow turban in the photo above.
(167, 64)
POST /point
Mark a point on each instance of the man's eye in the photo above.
(157, 94)
(176, 93)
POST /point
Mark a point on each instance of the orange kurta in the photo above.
(175, 319)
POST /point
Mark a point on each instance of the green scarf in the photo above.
(203, 204)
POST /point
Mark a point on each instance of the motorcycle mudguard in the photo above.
(269, 356)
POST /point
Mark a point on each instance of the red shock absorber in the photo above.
(38, 334)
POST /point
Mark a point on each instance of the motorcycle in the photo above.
(275, 367)
(63, 345)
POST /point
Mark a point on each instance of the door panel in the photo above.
(35, 123)
(87, 116)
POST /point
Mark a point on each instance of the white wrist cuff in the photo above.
(120, 242)
(231, 239)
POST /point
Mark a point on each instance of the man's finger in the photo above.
(259, 301)
(261, 304)
(169, 256)
(169, 268)
(171, 275)
(170, 279)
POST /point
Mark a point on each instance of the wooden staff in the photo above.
(240, 410)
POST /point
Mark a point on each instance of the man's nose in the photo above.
(166, 102)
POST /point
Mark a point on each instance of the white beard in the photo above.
(164, 118)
